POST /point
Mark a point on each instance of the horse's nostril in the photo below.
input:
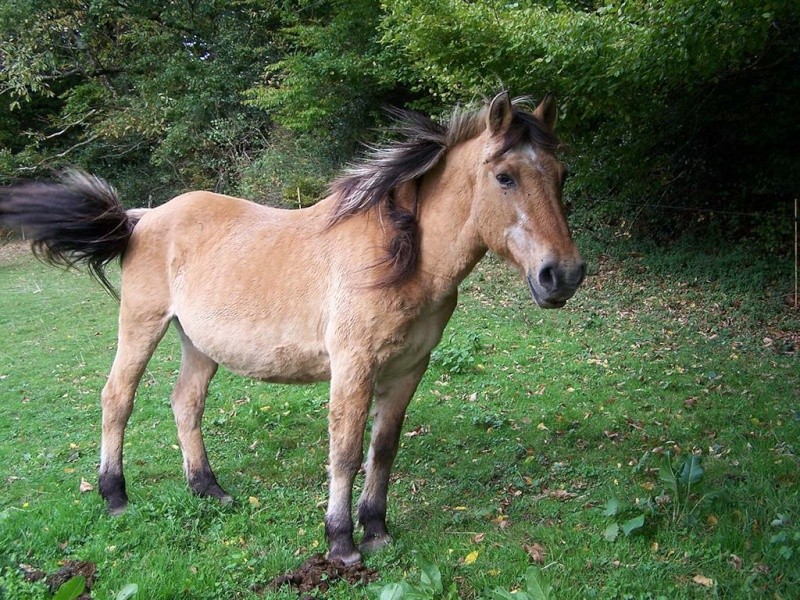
(548, 277)
(553, 276)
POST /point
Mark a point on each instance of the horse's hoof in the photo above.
(117, 509)
(375, 543)
(348, 560)
(209, 488)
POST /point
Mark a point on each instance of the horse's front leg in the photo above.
(349, 405)
(391, 400)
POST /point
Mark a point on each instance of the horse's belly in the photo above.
(262, 353)
(284, 364)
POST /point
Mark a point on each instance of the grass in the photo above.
(527, 425)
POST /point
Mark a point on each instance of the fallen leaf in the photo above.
(420, 430)
(562, 495)
(703, 580)
(85, 486)
(471, 557)
(501, 521)
(254, 501)
(736, 562)
(535, 552)
(477, 539)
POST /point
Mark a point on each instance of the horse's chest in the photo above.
(415, 342)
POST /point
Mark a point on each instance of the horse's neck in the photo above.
(451, 246)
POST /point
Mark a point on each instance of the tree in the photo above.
(686, 103)
(137, 87)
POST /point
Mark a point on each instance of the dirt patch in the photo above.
(68, 570)
(316, 574)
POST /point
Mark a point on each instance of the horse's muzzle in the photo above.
(555, 283)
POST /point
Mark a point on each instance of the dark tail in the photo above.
(77, 220)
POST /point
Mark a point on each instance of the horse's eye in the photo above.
(505, 180)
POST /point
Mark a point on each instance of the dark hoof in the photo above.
(375, 543)
(215, 491)
(116, 506)
(347, 559)
(117, 511)
(112, 490)
(203, 483)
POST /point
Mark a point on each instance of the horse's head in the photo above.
(517, 206)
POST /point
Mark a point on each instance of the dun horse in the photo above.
(356, 289)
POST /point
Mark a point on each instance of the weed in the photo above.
(785, 541)
(454, 357)
(626, 519)
(71, 589)
(684, 478)
(536, 588)
(429, 587)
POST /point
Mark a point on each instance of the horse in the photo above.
(356, 289)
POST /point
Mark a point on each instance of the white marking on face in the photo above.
(530, 151)
(522, 218)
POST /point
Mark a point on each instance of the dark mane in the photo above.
(420, 145)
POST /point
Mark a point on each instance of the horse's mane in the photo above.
(420, 144)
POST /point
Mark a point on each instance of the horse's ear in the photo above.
(547, 111)
(500, 113)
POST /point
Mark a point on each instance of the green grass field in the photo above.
(559, 439)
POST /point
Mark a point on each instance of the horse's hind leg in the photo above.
(188, 403)
(137, 342)
(391, 401)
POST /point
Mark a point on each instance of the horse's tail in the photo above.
(76, 220)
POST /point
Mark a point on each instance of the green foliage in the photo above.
(454, 357)
(666, 105)
(128, 591)
(536, 588)
(684, 479)
(328, 84)
(429, 587)
(152, 85)
(680, 117)
(621, 519)
(71, 589)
